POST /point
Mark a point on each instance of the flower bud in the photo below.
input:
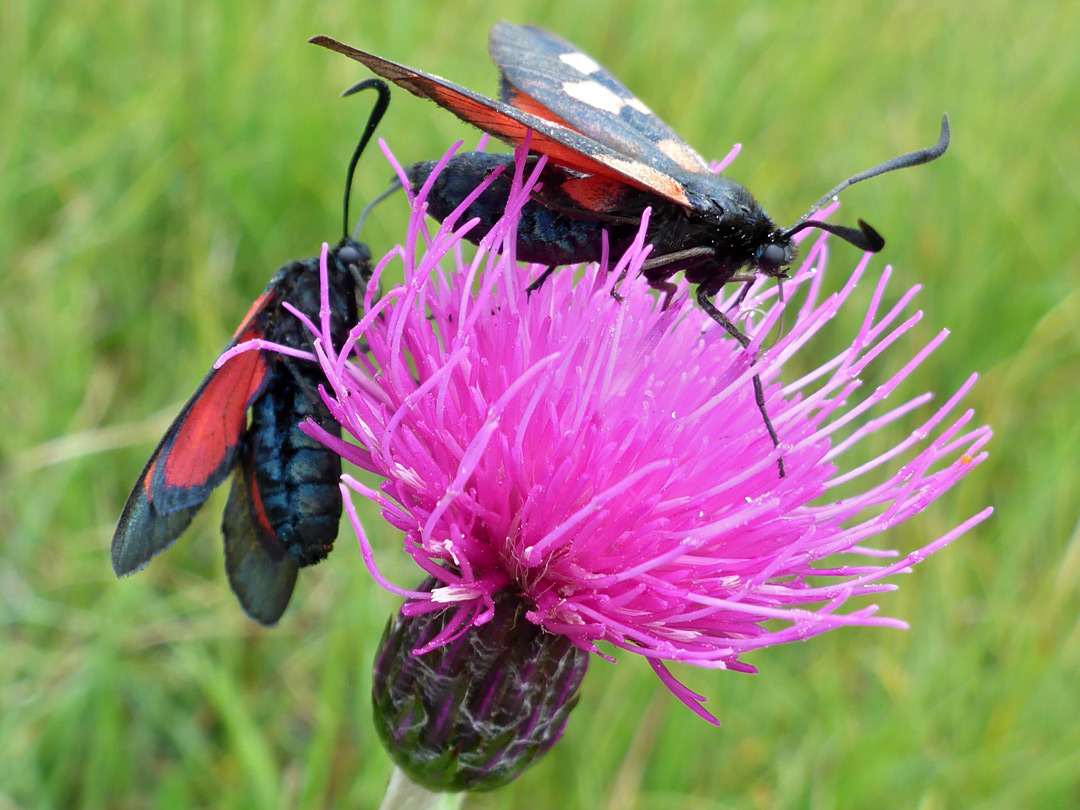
(473, 713)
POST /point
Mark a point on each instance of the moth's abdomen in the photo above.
(297, 476)
(545, 235)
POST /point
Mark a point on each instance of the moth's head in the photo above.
(353, 256)
(773, 255)
(350, 268)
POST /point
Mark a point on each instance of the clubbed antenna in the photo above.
(866, 237)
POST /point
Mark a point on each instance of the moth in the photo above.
(609, 158)
(284, 504)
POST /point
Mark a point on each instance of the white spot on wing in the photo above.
(603, 98)
(582, 63)
(595, 95)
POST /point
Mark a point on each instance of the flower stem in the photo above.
(403, 794)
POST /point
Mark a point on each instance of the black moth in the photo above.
(609, 158)
(284, 506)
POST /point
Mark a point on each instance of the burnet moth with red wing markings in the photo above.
(284, 505)
(610, 158)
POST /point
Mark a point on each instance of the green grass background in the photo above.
(159, 161)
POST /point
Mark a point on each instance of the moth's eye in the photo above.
(771, 257)
(349, 255)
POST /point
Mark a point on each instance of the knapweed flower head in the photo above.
(605, 459)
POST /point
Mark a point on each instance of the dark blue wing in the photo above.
(261, 573)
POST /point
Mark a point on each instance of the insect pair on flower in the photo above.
(609, 159)
(567, 472)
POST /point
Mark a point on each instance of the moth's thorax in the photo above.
(715, 197)
(299, 283)
(726, 219)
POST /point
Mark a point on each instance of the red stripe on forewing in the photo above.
(528, 104)
(215, 423)
(508, 129)
(259, 303)
(622, 170)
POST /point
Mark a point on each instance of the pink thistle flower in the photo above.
(607, 460)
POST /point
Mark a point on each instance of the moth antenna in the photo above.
(377, 113)
(899, 162)
(395, 185)
(865, 237)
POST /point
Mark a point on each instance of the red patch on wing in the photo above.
(483, 115)
(260, 302)
(502, 126)
(215, 422)
(257, 508)
(528, 104)
(595, 193)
